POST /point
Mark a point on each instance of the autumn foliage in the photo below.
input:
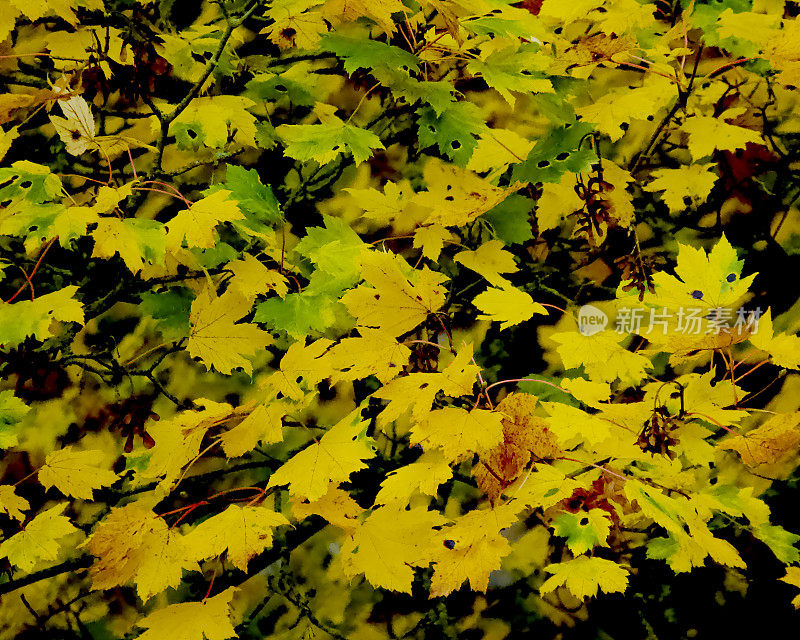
(398, 319)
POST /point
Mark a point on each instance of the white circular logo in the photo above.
(591, 320)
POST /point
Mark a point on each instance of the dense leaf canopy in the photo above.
(398, 319)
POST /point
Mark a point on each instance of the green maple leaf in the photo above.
(334, 250)
(170, 308)
(559, 151)
(780, 541)
(511, 219)
(299, 314)
(255, 199)
(324, 143)
(189, 136)
(28, 181)
(382, 59)
(272, 88)
(12, 411)
(508, 71)
(583, 530)
(34, 317)
(454, 131)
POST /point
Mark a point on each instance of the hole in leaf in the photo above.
(455, 144)
(280, 87)
(543, 163)
(562, 156)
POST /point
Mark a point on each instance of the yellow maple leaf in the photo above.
(498, 148)
(262, 425)
(588, 392)
(136, 241)
(584, 576)
(215, 337)
(602, 356)
(208, 619)
(614, 194)
(6, 140)
(340, 452)
(489, 260)
(792, 577)
(507, 305)
(783, 52)
(423, 476)
(583, 530)
(456, 196)
(132, 544)
(471, 549)
(783, 348)
(431, 239)
(75, 473)
(222, 117)
(573, 425)
(689, 181)
(336, 506)
(776, 439)
(708, 281)
(39, 540)
(707, 133)
(350, 10)
(373, 353)
(392, 303)
(613, 109)
(251, 278)
(161, 562)
(544, 487)
(558, 200)
(309, 362)
(457, 432)
(382, 207)
(752, 26)
(294, 25)
(177, 441)
(417, 390)
(240, 532)
(624, 16)
(196, 224)
(389, 543)
(12, 504)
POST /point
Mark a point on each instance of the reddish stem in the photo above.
(33, 273)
